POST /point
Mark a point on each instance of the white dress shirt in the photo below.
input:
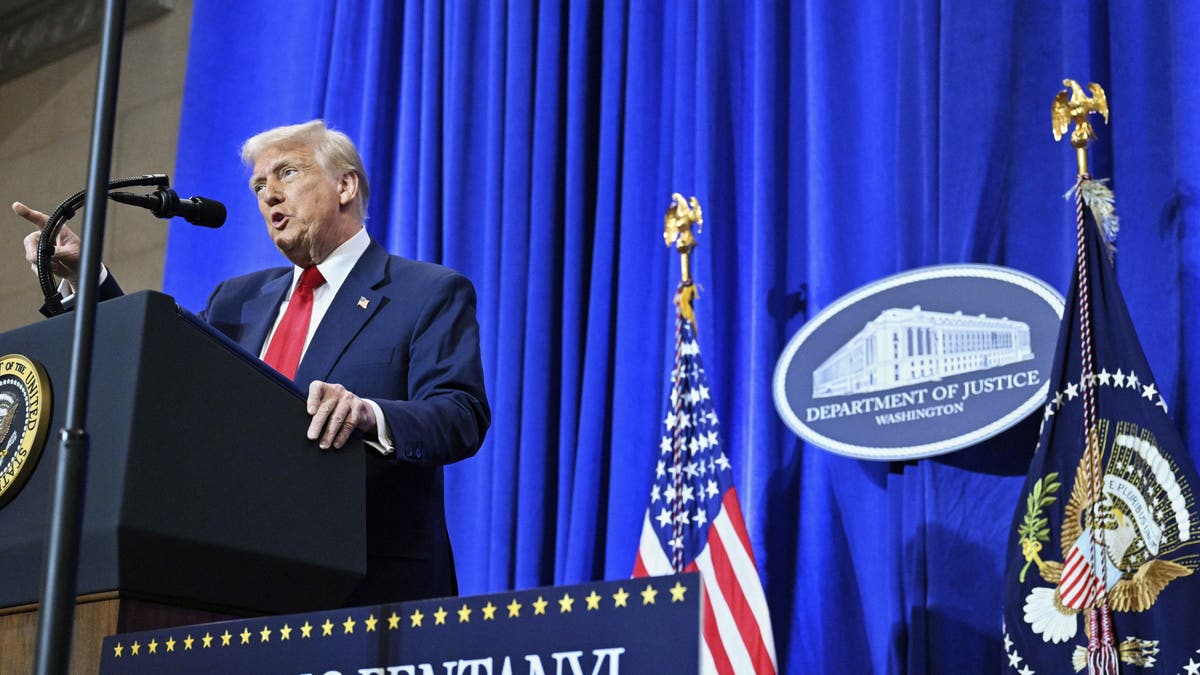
(335, 268)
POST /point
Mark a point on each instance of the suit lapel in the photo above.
(258, 314)
(346, 316)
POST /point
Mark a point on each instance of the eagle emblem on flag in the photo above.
(1147, 512)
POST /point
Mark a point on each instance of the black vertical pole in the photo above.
(61, 565)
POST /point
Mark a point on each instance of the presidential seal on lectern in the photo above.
(25, 411)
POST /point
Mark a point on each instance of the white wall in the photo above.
(45, 127)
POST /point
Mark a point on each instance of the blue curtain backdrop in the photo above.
(534, 145)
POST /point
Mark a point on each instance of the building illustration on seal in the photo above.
(903, 347)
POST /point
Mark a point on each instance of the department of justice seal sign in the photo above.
(25, 410)
(921, 363)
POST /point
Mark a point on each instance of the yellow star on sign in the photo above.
(464, 614)
(416, 618)
(348, 626)
(539, 605)
(393, 621)
(117, 651)
(514, 609)
(439, 617)
(677, 592)
(133, 649)
(264, 635)
(648, 595)
(565, 603)
(170, 644)
(327, 627)
(593, 600)
(306, 630)
(225, 637)
(187, 642)
(245, 636)
(489, 611)
(371, 621)
(207, 640)
(620, 598)
(153, 646)
(285, 633)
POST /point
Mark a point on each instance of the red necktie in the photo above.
(287, 343)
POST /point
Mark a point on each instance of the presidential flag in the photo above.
(694, 523)
(1105, 543)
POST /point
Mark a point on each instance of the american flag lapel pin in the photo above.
(363, 302)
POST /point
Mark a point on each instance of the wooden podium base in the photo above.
(96, 616)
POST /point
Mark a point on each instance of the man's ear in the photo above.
(347, 188)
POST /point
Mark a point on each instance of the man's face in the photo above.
(305, 208)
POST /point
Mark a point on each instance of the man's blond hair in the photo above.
(333, 150)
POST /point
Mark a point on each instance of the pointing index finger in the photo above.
(33, 216)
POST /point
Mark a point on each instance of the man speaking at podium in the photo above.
(383, 344)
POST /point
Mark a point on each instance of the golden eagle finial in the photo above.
(677, 230)
(1076, 108)
(677, 224)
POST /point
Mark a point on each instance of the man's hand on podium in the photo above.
(336, 413)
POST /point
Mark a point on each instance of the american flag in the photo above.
(694, 523)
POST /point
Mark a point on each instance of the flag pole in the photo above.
(1072, 105)
(677, 229)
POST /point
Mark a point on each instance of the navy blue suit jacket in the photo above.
(414, 350)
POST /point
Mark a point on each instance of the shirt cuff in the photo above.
(67, 291)
(382, 443)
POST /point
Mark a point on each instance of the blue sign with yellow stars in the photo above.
(632, 626)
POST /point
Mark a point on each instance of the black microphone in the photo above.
(165, 203)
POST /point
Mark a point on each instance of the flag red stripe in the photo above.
(743, 615)
(712, 638)
(639, 570)
(734, 510)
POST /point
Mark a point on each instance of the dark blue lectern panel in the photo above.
(632, 626)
